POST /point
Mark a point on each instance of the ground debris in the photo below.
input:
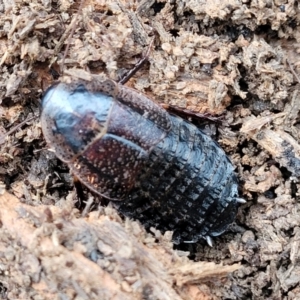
(92, 258)
(236, 58)
(282, 146)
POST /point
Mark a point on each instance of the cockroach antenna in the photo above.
(73, 26)
(138, 65)
(15, 128)
(293, 71)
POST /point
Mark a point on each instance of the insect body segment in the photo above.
(104, 139)
(71, 122)
(155, 167)
(188, 186)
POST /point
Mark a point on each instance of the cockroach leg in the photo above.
(88, 206)
(82, 198)
(79, 191)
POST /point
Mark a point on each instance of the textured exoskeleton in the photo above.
(155, 167)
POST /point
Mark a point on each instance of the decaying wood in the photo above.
(213, 57)
(282, 146)
(92, 258)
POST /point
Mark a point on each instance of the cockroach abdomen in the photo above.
(155, 167)
(188, 185)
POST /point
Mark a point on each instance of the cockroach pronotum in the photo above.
(153, 166)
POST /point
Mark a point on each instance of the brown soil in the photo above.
(236, 58)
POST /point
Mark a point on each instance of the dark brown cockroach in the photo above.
(153, 166)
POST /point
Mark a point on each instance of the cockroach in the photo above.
(153, 166)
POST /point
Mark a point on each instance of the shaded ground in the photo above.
(230, 57)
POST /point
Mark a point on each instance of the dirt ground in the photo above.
(234, 58)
